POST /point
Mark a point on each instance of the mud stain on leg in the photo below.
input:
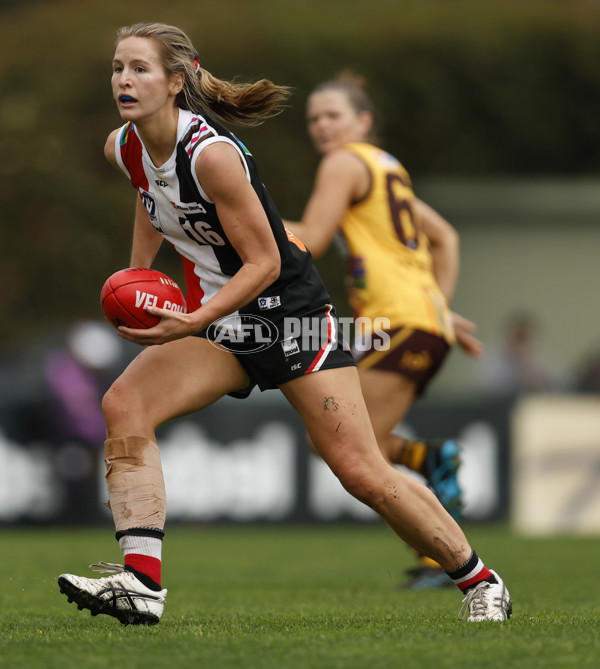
(329, 402)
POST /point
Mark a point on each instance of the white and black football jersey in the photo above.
(182, 212)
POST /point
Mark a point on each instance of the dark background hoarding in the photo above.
(243, 461)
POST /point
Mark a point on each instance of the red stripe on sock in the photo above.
(146, 564)
(484, 574)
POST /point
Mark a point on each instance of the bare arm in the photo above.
(464, 330)
(109, 148)
(146, 239)
(245, 223)
(445, 250)
(341, 179)
(444, 242)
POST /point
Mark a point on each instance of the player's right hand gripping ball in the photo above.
(127, 293)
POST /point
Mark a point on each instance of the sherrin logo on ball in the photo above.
(127, 294)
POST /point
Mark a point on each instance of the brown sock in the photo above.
(424, 561)
(411, 454)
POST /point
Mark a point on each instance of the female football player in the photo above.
(198, 187)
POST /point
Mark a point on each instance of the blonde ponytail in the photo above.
(244, 104)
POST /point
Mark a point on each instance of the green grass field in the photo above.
(308, 597)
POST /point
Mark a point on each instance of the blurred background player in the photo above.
(402, 264)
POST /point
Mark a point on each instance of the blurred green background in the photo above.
(492, 106)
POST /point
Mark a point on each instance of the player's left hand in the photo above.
(464, 329)
(172, 325)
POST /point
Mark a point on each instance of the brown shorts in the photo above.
(415, 354)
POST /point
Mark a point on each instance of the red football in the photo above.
(126, 294)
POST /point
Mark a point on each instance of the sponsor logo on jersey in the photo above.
(195, 208)
(265, 303)
(161, 183)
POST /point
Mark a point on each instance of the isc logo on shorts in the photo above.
(269, 302)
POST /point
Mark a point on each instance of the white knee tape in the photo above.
(136, 488)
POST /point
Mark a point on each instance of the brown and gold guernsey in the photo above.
(390, 267)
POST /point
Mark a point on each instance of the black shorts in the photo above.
(287, 349)
(415, 354)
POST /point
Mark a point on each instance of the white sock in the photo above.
(150, 546)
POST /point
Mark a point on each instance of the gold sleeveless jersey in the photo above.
(390, 271)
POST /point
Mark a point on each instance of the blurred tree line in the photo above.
(462, 87)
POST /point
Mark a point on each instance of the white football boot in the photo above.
(122, 595)
(487, 601)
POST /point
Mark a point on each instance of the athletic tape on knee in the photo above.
(136, 488)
